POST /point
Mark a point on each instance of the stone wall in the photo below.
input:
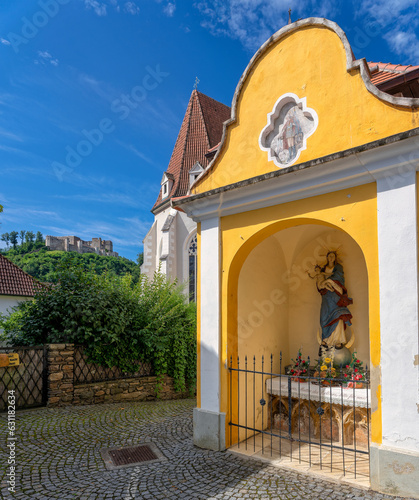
(62, 391)
(129, 389)
(60, 374)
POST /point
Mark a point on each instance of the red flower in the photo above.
(345, 375)
(304, 370)
(357, 361)
(303, 361)
(292, 371)
(347, 366)
(356, 369)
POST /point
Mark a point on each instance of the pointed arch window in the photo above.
(193, 261)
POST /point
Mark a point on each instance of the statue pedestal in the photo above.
(337, 414)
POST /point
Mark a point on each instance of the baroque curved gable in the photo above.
(311, 59)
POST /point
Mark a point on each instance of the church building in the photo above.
(307, 238)
(170, 244)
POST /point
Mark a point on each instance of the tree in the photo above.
(22, 236)
(140, 258)
(119, 323)
(6, 238)
(13, 238)
(39, 237)
(30, 237)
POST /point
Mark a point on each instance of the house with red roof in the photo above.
(170, 244)
(15, 285)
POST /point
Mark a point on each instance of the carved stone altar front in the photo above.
(333, 414)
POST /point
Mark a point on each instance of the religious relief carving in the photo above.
(289, 125)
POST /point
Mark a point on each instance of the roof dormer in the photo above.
(195, 172)
(166, 184)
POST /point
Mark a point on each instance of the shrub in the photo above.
(118, 321)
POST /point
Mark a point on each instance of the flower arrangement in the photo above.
(324, 367)
(354, 372)
(300, 367)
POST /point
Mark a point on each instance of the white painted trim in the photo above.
(209, 347)
(274, 115)
(387, 161)
(399, 315)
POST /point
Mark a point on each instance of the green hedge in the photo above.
(118, 321)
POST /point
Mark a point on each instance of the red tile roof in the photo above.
(389, 75)
(14, 281)
(201, 130)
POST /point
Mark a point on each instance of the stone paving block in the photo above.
(58, 452)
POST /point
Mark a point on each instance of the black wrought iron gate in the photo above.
(323, 422)
(29, 379)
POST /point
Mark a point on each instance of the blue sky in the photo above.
(70, 69)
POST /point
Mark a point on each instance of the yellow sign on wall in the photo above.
(13, 359)
(9, 359)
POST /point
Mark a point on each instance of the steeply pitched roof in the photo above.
(14, 281)
(201, 129)
(395, 78)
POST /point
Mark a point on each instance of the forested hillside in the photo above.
(41, 263)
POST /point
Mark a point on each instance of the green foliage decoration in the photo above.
(117, 320)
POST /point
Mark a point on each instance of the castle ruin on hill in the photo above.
(76, 244)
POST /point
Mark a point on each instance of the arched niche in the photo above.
(278, 305)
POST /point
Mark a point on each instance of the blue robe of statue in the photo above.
(334, 304)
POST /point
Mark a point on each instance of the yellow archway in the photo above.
(246, 239)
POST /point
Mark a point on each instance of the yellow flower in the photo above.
(323, 368)
(327, 360)
(333, 369)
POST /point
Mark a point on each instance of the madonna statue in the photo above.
(334, 313)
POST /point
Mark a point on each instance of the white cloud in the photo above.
(133, 149)
(100, 7)
(169, 9)
(131, 8)
(404, 43)
(386, 11)
(252, 22)
(4, 41)
(397, 21)
(97, 7)
(109, 198)
(45, 57)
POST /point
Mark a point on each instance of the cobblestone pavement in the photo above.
(58, 456)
